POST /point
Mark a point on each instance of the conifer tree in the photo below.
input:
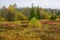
(53, 16)
(32, 14)
(38, 13)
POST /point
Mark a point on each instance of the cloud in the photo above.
(25, 3)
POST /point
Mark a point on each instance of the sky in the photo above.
(54, 4)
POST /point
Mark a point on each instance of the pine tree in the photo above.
(32, 14)
(38, 13)
(53, 16)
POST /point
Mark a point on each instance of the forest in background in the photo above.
(12, 13)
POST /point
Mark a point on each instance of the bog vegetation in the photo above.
(33, 23)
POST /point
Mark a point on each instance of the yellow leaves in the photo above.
(45, 14)
(21, 16)
(11, 8)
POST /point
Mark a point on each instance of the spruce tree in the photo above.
(38, 13)
(53, 16)
(32, 14)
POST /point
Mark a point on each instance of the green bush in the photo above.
(34, 22)
(2, 19)
(53, 17)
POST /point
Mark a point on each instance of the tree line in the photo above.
(12, 13)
